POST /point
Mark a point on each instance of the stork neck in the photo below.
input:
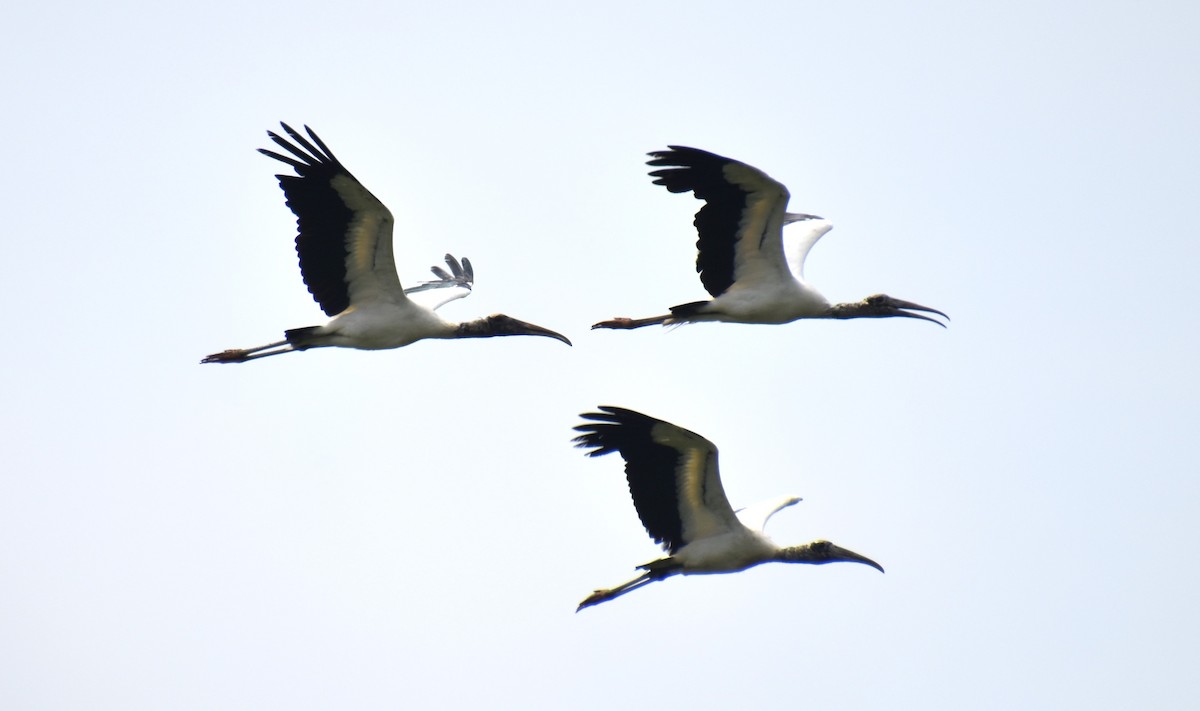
(805, 553)
(478, 328)
(853, 309)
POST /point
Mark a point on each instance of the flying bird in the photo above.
(742, 261)
(344, 242)
(676, 488)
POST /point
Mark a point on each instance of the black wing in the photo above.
(738, 227)
(672, 474)
(344, 237)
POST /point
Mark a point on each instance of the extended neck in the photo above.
(479, 328)
(501, 325)
(806, 553)
(854, 309)
(883, 306)
(819, 552)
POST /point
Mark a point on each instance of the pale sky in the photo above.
(413, 529)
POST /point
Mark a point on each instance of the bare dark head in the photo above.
(501, 325)
(821, 552)
(884, 306)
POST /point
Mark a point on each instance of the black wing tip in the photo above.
(674, 148)
(613, 414)
(462, 269)
(293, 132)
(298, 165)
(595, 439)
(684, 169)
(683, 157)
(307, 155)
(599, 433)
(603, 432)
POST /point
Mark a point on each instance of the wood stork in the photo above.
(742, 260)
(344, 242)
(676, 488)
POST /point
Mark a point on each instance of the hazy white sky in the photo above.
(405, 529)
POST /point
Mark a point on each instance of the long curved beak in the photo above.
(842, 555)
(899, 307)
(521, 328)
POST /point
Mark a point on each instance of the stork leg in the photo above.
(241, 355)
(655, 570)
(622, 322)
(605, 595)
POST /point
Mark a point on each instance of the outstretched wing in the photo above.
(672, 474)
(798, 241)
(344, 237)
(755, 516)
(740, 226)
(459, 280)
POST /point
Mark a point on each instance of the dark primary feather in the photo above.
(460, 275)
(649, 468)
(702, 173)
(321, 216)
(463, 273)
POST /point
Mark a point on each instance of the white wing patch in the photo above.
(370, 263)
(437, 299)
(799, 240)
(755, 516)
(704, 509)
(759, 258)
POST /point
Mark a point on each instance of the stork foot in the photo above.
(622, 322)
(619, 322)
(233, 355)
(594, 599)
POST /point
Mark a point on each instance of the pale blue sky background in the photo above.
(347, 530)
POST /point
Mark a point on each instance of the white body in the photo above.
(727, 552)
(382, 326)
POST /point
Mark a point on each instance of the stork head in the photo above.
(501, 325)
(820, 552)
(884, 306)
